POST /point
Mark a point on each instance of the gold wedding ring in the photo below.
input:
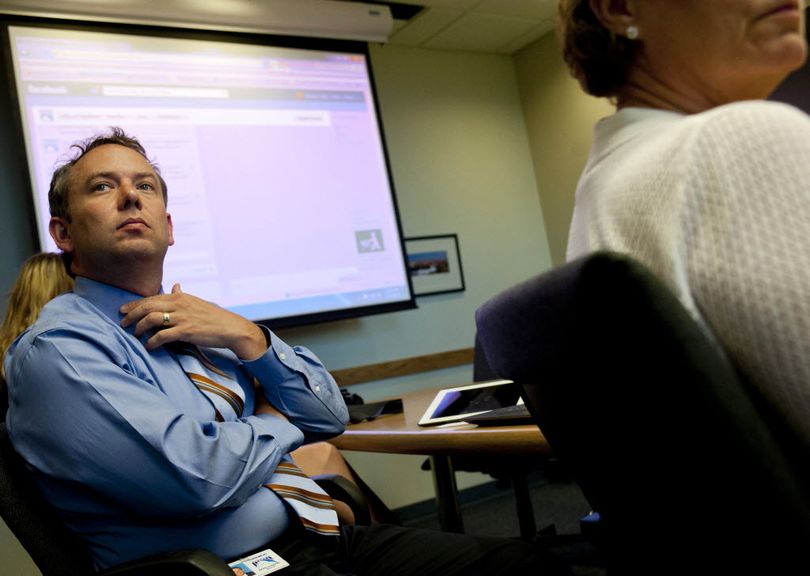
(166, 319)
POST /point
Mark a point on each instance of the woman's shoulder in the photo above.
(755, 108)
(748, 133)
(741, 118)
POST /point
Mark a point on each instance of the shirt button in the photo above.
(317, 388)
(282, 355)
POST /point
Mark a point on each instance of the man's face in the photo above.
(117, 213)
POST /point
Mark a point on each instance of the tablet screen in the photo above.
(453, 404)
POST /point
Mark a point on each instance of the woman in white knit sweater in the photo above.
(700, 178)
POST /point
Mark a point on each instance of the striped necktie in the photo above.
(314, 507)
(221, 389)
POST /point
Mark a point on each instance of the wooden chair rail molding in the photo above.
(403, 367)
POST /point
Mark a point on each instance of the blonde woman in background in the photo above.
(41, 277)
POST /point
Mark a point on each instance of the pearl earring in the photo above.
(632, 32)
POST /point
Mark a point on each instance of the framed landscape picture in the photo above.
(434, 263)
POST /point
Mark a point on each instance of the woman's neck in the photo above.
(685, 93)
(644, 90)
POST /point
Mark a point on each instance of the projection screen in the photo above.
(279, 189)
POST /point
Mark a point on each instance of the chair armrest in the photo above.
(343, 489)
(194, 562)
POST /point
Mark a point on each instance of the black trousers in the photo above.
(385, 550)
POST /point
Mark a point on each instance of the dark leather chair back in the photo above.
(55, 550)
(481, 369)
(687, 466)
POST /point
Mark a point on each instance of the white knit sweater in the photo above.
(717, 204)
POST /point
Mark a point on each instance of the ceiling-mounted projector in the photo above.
(319, 18)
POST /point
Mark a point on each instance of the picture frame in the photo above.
(434, 263)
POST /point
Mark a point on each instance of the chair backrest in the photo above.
(667, 443)
(481, 369)
(54, 549)
(3, 399)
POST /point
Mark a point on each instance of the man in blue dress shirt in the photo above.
(134, 457)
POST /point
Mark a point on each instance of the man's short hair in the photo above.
(60, 181)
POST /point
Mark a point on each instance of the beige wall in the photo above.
(559, 119)
(14, 561)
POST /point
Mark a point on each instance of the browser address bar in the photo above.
(164, 92)
(164, 59)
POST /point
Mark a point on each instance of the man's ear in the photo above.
(615, 15)
(60, 232)
(171, 228)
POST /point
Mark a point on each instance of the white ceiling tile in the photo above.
(530, 36)
(425, 26)
(481, 32)
(398, 25)
(453, 4)
(539, 9)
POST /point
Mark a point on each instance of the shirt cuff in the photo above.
(276, 362)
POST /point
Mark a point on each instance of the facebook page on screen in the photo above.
(277, 178)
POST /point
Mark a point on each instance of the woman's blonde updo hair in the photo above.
(599, 59)
(41, 277)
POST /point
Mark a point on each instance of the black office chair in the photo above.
(58, 552)
(689, 468)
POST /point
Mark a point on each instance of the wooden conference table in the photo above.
(401, 434)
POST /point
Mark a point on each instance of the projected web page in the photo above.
(277, 179)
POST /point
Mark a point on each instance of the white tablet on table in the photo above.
(456, 404)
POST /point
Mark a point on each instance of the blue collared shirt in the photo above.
(128, 449)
